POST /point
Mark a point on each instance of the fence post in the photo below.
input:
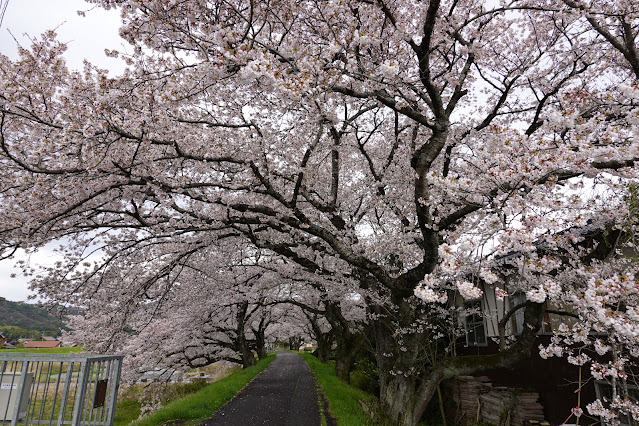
(79, 397)
(20, 392)
(65, 392)
(114, 390)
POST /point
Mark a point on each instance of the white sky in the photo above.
(86, 37)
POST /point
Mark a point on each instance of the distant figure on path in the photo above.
(283, 395)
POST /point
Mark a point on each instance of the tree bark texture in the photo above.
(407, 385)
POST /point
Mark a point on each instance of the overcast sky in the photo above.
(86, 37)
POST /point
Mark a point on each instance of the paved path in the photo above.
(282, 395)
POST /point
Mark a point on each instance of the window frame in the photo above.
(478, 321)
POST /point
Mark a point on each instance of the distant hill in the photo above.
(29, 316)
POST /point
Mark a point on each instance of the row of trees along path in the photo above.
(380, 162)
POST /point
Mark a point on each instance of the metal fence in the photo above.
(58, 389)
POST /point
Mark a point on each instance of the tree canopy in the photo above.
(389, 153)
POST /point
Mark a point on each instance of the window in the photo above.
(475, 327)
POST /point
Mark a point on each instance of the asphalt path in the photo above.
(283, 395)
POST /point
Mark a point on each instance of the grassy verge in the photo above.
(65, 350)
(342, 398)
(129, 404)
(196, 407)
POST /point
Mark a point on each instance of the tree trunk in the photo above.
(348, 345)
(398, 398)
(248, 358)
(261, 351)
(294, 343)
(347, 340)
(241, 343)
(260, 345)
(407, 386)
(260, 340)
(324, 346)
(343, 369)
(396, 368)
(324, 340)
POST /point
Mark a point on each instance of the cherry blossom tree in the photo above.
(333, 320)
(397, 148)
(322, 335)
(188, 314)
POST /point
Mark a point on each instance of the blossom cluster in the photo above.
(425, 290)
(468, 290)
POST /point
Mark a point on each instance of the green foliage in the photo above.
(29, 317)
(16, 332)
(65, 350)
(632, 199)
(127, 410)
(361, 381)
(343, 399)
(196, 407)
(306, 349)
(129, 406)
(364, 375)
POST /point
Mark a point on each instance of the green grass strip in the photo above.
(201, 405)
(64, 350)
(342, 398)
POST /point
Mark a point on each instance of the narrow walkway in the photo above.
(283, 395)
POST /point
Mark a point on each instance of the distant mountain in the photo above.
(30, 317)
